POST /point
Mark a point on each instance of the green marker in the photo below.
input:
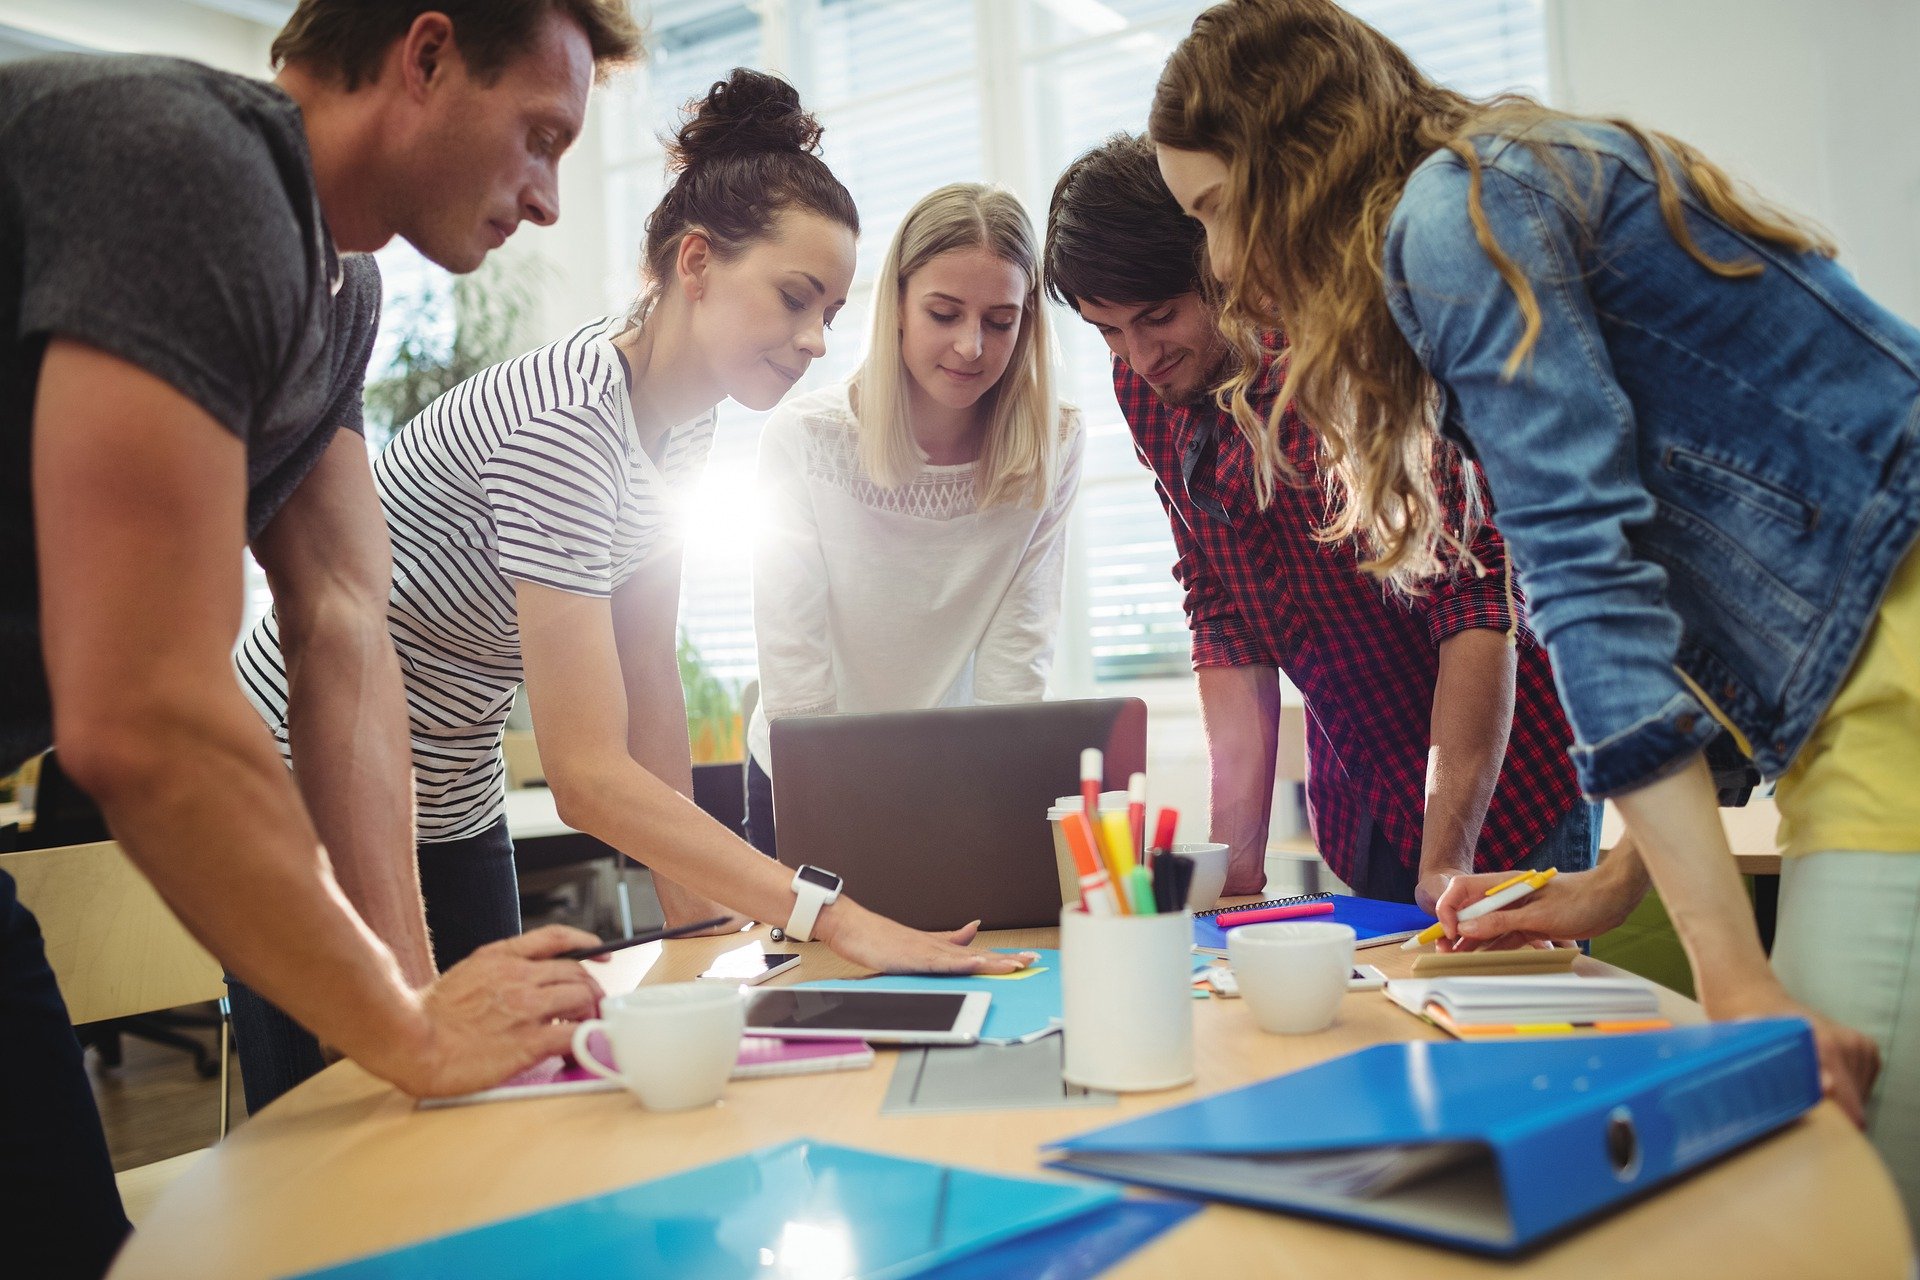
(1140, 891)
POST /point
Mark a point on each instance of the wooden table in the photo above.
(344, 1166)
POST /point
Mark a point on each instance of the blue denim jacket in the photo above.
(1714, 474)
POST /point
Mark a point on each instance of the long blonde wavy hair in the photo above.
(1020, 456)
(1320, 120)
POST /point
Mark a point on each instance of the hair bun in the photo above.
(748, 112)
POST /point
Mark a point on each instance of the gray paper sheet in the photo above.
(1014, 1077)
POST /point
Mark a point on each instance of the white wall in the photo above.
(173, 27)
(1816, 102)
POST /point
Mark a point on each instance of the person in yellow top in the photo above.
(1699, 435)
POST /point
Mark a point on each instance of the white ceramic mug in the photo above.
(673, 1045)
(1209, 874)
(1292, 973)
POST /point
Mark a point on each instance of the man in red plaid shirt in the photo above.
(1435, 741)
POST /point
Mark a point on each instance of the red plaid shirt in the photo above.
(1261, 591)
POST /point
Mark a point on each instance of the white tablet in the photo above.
(878, 1015)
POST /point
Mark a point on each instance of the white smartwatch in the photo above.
(814, 889)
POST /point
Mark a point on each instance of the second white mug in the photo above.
(1293, 973)
(673, 1045)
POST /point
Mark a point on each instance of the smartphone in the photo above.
(749, 965)
(1366, 978)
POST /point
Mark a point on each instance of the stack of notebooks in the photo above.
(1374, 923)
(759, 1056)
(1530, 1005)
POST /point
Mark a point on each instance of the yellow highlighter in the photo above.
(1118, 847)
(1512, 889)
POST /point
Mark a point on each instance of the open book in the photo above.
(1530, 1004)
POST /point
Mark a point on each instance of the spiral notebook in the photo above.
(759, 1056)
(1375, 923)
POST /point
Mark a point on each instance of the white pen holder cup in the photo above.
(674, 1045)
(1126, 1003)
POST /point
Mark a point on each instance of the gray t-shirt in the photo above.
(166, 213)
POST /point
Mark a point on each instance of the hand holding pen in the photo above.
(1503, 893)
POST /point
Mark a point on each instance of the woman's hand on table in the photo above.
(1576, 904)
(1849, 1061)
(875, 942)
(502, 1009)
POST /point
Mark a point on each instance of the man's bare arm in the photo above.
(140, 522)
(1471, 721)
(327, 559)
(1240, 707)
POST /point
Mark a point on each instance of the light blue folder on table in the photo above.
(1488, 1146)
(1022, 1008)
(799, 1208)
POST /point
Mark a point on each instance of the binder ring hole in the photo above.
(1623, 1145)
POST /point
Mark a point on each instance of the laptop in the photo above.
(935, 818)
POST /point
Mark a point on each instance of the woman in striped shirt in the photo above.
(530, 512)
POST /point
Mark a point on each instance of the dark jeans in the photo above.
(472, 898)
(1572, 845)
(760, 809)
(60, 1213)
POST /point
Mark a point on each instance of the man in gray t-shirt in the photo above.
(187, 316)
(238, 299)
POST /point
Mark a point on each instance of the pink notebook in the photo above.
(759, 1056)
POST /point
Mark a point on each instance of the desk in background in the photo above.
(345, 1166)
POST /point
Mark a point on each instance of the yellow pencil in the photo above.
(1117, 848)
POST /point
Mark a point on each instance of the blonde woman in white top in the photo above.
(912, 550)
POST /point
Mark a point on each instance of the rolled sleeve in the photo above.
(1487, 600)
(1646, 750)
(1557, 442)
(1227, 642)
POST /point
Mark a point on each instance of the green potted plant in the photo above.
(714, 728)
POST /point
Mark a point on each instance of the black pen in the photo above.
(651, 935)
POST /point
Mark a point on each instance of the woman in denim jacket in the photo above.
(1697, 431)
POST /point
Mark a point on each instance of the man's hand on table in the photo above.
(502, 1009)
(875, 942)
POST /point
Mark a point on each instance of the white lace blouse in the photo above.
(872, 599)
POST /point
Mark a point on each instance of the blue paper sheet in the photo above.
(800, 1208)
(1019, 1011)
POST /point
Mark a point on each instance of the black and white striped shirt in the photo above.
(527, 471)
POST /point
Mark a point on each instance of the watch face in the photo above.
(817, 876)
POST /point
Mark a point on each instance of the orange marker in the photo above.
(1096, 890)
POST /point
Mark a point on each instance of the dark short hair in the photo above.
(348, 39)
(1115, 233)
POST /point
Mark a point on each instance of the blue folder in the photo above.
(1491, 1147)
(801, 1208)
(1021, 1008)
(1375, 922)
